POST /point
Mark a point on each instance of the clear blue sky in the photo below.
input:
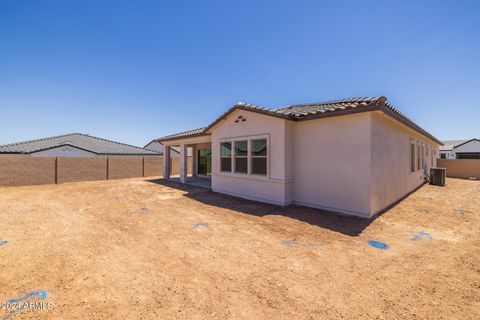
(136, 70)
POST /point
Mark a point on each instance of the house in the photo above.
(73, 145)
(460, 149)
(354, 156)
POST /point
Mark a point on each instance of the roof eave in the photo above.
(161, 140)
(379, 104)
(339, 113)
(12, 152)
(409, 124)
(255, 109)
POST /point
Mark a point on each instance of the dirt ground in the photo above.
(140, 249)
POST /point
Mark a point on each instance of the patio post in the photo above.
(166, 162)
(194, 160)
(183, 163)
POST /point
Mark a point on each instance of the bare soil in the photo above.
(142, 249)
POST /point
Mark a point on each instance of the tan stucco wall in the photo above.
(271, 188)
(355, 164)
(391, 177)
(332, 163)
(205, 145)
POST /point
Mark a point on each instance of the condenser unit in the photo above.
(438, 176)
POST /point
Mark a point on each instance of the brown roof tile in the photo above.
(299, 112)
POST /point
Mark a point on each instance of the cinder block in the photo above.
(81, 169)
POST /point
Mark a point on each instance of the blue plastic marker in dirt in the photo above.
(3, 242)
(378, 245)
(421, 235)
(35, 294)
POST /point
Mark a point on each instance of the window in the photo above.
(259, 156)
(418, 157)
(422, 160)
(412, 157)
(471, 155)
(226, 156)
(249, 156)
(443, 156)
(241, 156)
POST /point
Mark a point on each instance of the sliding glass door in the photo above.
(204, 162)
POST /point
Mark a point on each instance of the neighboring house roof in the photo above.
(96, 145)
(449, 145)
(465, 142)
(151, 148)
(146, 146)
(300, 112)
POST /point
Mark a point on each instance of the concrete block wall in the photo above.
(81, 169)
(461, 168)
(175, 166)
(25, 170)
(153, 166)
(125, 167)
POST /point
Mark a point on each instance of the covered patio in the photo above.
(194, 143)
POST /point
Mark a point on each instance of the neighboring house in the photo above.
(460, 149)
(73, 145)
(157, 146)
(355, 156)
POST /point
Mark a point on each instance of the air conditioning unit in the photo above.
(438, 176)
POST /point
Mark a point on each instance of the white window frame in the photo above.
(413, 157)
(231, 156)
(249, 174)
(422, 160)
(251, 157)
(419, 152)
(234, 156)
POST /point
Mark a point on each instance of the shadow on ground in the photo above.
(347, 225)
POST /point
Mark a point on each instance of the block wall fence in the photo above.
(461, 168)
(26, 170)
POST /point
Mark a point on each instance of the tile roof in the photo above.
(304, 110)
(96, 145)
(299, 112)
(449, 145)
(184, 134)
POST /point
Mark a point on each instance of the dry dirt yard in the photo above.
(140, 249)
